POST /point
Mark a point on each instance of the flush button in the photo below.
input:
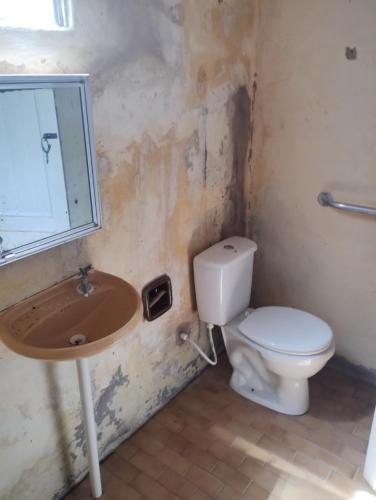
(157, 297)
(230, 247)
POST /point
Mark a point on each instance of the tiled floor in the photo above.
(211, 443)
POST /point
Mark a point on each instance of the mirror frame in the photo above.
(81, 81)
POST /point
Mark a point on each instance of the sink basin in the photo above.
(61, 324)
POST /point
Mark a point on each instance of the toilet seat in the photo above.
(286, 330)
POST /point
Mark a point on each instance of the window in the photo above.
(36, 14)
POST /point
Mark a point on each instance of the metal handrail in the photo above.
(326, 200)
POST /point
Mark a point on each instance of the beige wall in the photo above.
(315, 130)
(172, 83)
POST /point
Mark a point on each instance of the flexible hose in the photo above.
(185, 338)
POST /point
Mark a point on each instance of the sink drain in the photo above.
(78, 339)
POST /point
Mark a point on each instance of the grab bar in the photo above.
(326, 200)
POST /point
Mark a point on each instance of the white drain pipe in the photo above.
(185, 338)
(89, 426)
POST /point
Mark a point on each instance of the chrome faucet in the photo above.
(85, 287)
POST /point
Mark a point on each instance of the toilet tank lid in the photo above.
(226, 252)
(287, 330)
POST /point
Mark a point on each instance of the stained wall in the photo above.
(315, 131)
(172, 89)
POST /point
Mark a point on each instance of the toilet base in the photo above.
(289, 396)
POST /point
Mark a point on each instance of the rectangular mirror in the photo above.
(48, 178)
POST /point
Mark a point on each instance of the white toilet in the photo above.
(273, 350)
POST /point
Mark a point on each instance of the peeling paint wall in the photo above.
(315, 131)
(172, 90)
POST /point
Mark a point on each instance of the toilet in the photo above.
(273, 350)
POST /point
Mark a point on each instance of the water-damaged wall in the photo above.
(172, 90)
(315, 131)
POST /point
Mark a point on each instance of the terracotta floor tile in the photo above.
(358, 476)
(212, 414)
(127, 450)
(199, 422)
(241, 414)
(256, 492)
(350, 440)
(237, 430)
(252, 450)
(229, 455)
(312, 465)
(174, 441)
(147, 463)
(270, 428)
(347, 488)
(325, 439)
(200, 439)
(301, 444)
(224, 433)
(291, 424)
(211, 397)
(358, 405)
(149, 488)
(210, 443)
(204, 480)
(270, 479)
(347, 426)
(118, 490)
(276, 447)
(177, 484)
(171, 496)
(296, 489)
(143, 440)
(82, 489)
(189, 402)
(79, 496)
(362, 430)
(265, 476)
(365, 392)
(121, 468)
(227, 493)
(352, 456)
(337, 463)
(82, 492)
(170, 419)
(200, 495)
(231, 477)
(203, 459)
(174, 460)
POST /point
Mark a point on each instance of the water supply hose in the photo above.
(185, 338)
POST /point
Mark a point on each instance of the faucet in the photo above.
(85, 287)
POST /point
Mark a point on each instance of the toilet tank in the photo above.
(223, 279)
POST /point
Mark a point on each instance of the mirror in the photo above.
(48, 179)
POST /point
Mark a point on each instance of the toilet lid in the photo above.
(287, 330)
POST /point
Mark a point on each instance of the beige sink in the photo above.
(50, 324)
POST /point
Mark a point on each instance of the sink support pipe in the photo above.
(89, 426)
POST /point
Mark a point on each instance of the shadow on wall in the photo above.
(238, 109)
(239, 115)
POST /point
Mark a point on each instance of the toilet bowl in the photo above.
(273, 350)
(276, 378)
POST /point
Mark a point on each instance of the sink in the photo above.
(60, 323)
